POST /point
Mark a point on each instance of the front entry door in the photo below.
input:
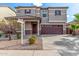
(34, 28)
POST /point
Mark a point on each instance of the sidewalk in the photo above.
(28, 53)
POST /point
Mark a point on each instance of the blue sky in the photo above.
(73, 7)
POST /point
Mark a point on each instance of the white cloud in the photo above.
(73, 17)
(68, 15)
(42, 1)
(37, 4)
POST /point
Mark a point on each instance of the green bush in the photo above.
(18, 36)
(0, 35)
(32, 39)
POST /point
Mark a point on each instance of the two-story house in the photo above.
(39, 20)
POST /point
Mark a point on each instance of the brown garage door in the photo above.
(52, 29)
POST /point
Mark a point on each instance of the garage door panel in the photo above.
(52, 29)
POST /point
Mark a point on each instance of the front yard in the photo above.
(16, 45)
(50, 45)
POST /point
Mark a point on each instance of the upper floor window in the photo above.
(44, 15)
(57, 12)
(27, 11)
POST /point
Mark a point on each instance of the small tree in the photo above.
(10, 30)
(7, 29)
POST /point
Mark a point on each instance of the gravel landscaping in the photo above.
(16, 45)
(52, 45)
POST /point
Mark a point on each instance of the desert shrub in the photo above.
(32, 39)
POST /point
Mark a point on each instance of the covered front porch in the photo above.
(31, 27)
(29, 24)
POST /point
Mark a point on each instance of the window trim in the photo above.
(44, 15)
(27, 11)
(57, 12)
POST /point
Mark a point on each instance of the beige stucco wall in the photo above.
(44, 19)
(28, 26)
(38, 10)
(22, 11)
(53, 18)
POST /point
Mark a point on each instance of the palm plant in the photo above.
(76, 17)
(74, 27)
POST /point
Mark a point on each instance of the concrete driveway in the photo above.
(52, 46)
(61, 46)
(48, 42)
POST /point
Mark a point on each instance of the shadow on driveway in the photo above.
(70, 47)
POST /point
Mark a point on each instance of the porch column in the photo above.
(22, 29)
(38, 28)
(22, 32)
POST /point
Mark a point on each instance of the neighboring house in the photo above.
(39, 20)
(6, 12)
